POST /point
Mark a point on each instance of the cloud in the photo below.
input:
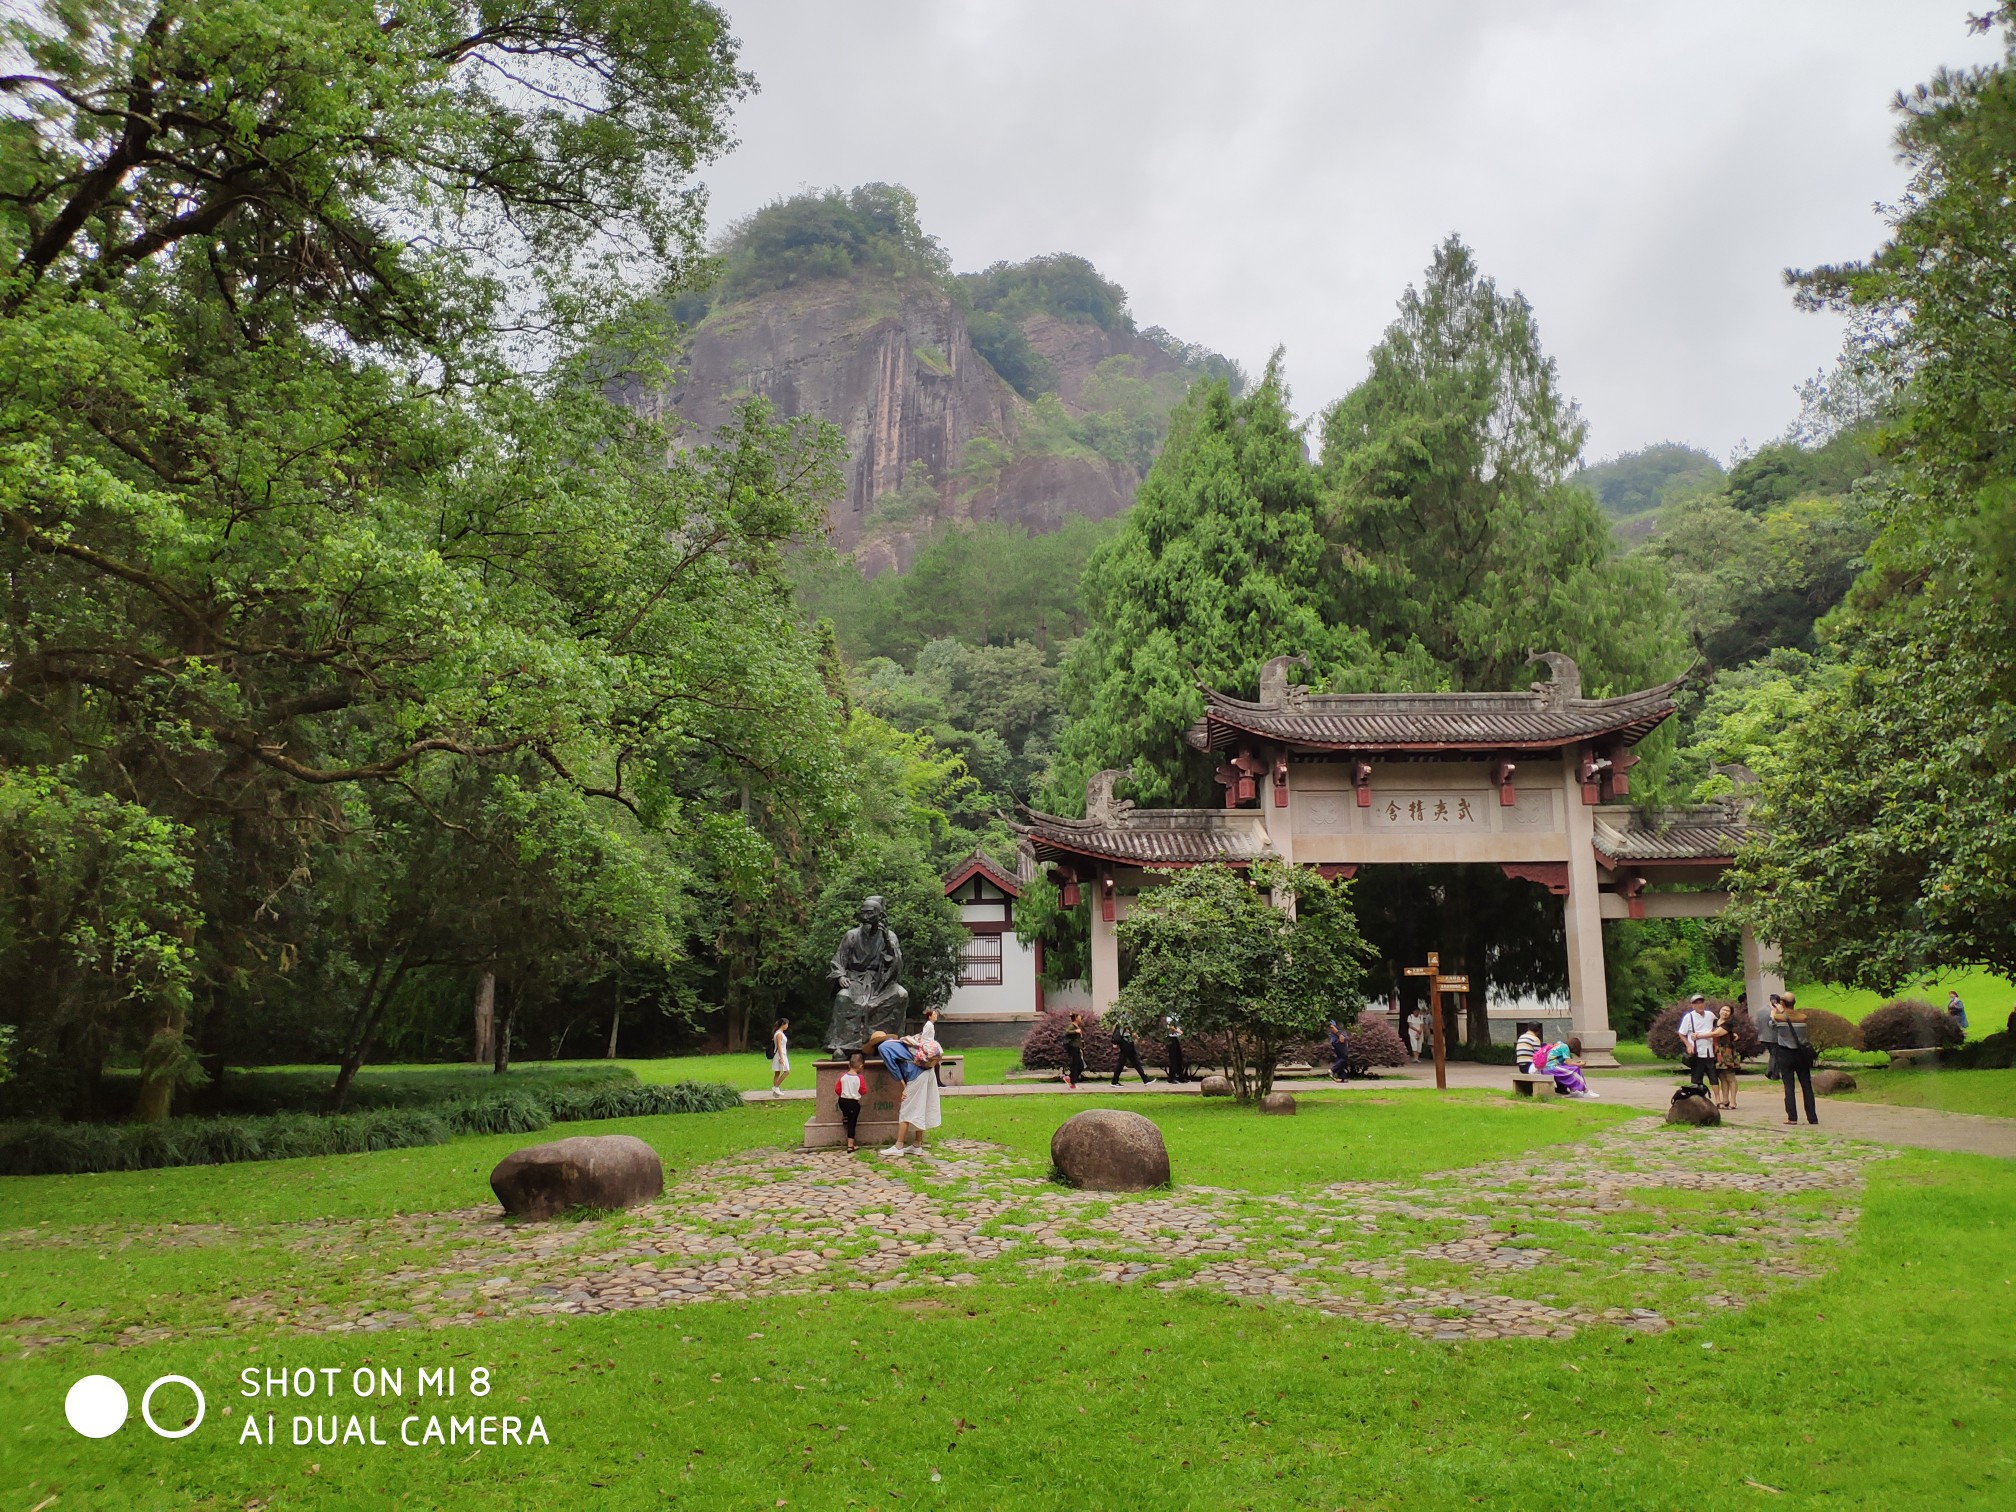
(1278, 172)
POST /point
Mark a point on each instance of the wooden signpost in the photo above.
(1437, 985)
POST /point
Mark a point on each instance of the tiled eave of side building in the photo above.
(1148, 837)
(1553, 715)
(1706, 834)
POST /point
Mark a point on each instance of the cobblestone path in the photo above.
(1637, 1228)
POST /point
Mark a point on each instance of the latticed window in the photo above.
(981, 966)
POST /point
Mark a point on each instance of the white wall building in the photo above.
(998, 991)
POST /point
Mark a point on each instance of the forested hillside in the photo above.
(1022, 395)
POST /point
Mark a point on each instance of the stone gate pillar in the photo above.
(1760, 974)
(1105, 983)
(1582, 918)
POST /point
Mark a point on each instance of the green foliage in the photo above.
(1886, 798)
(1000, 340)
(32, 1149)
(1785, 471)
(1750, 583)
(828, 233)
(1909, 1024)
(1217, 568)
(96, 920)
(1211, 949)
(1641, 482)
(1060, 284)
(914, 499)
(984, 584)
(994, 706)
(1830, 1031)
(412, 660)
(1457, 530)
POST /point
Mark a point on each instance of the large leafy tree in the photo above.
(1220, 951)
(1456, 536)
(1218, 568)
(319, 528)
(1887, 793)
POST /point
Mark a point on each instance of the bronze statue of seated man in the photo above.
(866, 967)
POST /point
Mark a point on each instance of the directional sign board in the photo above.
(1452, 983)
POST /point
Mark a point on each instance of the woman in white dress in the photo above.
(929, 1035)
(780, 1057)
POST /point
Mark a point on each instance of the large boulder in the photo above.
(587, 1171)
(1106, 1150)
(1693, 1110)
(1278, 1102)
(1828, 1083)
(1216, 1086)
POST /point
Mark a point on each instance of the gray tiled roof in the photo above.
(1431, 721)
(1705, 833)
(1149, 837)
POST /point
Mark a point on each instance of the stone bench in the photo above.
(1523, 1082)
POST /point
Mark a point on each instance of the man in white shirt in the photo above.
(1697, 1039)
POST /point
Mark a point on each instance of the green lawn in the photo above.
(1991, 1092)
(1988, 998)
(1873, 1372)
(751, 1071)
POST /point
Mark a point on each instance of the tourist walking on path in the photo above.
(1957, 1011)
(1340, 1052)
(1697, 1040)
(918, 1112)
(1525, 1047)
(1178, 1072)
(849, 1093)
(1126, 1053)
(1419, 1019)
(1795, 1057)
(1074, 1052)
(1728, 1058)
(780, 1057)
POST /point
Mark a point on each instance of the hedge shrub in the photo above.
(1043, 1045)
(1994, 1052)
(1909, 1024)
(1830, 1031)
(66, 1149)
(1663, 1038)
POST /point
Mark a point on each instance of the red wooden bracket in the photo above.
(1501, 773)
(1280, 782)
(1361, 779)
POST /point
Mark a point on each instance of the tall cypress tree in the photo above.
(1219, 567)
(1454, 525)
(1456, 536)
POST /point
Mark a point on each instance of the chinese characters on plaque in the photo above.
(1427, 811)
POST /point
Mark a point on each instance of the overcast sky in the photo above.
(1266, 172)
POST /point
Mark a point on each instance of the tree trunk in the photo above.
(161, 1069)
(615, 1023)
(375, 1004)
(501, 1056)
(486, 1017)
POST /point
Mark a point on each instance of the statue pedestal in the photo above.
(881, 1096)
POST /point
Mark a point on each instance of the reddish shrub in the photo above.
(1375, 1043)
(1043, 1045)
(1909, 1024)
(1664, 1036)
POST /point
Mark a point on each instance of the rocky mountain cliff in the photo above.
(882, 346)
